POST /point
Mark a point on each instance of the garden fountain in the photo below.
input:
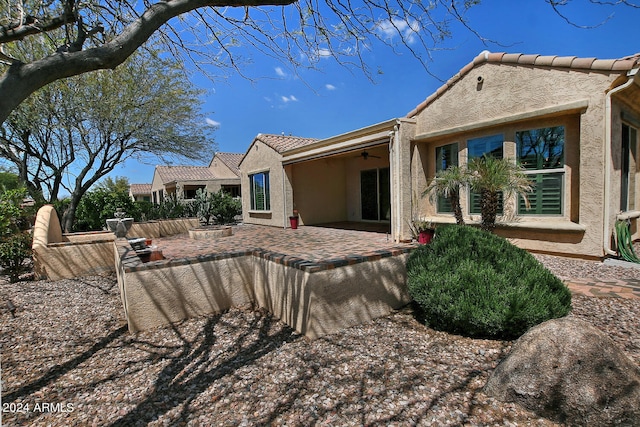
(119, 225)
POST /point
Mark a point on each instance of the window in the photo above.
(627, 189)
(484, 146)
(541, 153)
(259, 189)
(446, 155)
(232, 190)
(189, 192)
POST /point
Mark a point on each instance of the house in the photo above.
(140, 192)
(183, 181)
(572, 123)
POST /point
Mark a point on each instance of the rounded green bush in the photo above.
(472, 282)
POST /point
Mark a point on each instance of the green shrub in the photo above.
(15, 254)
(224, 208)
(474, 283)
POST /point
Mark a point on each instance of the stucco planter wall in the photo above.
(61, 256)
(208, 233)
(162, 228)
(313, 298)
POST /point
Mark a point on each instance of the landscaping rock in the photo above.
(568, 371)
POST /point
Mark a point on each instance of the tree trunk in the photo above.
(488, 209)
(454, 199)
(69, 215)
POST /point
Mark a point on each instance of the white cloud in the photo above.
(396, 27)
(329, 86)
(280, 72)
(286, 99)
(212, 122)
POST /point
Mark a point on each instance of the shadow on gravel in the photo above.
(193, 369)
(58, 371)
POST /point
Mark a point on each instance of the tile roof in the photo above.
(140, 188)
(232, 160)
(282, 143)
(184, 173)
(565, 62)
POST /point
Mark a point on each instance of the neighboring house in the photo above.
(267, 195)
(571, 122)
(140, 192)
(183, 181)
(225, 168)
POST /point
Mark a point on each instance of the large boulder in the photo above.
(569, 371)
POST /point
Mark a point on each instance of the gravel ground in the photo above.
(67, 359)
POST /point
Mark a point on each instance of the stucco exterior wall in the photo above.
(216, 186)
(516, 98)
(401, 194)
(221, 170)
(262, 158)
(319, 190)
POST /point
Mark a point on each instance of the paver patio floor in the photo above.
(329, 244)
(307, 242)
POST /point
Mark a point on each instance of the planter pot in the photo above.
(425, 237)
(294, 222)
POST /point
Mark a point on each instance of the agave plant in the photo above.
(491, 176)
(447, 183)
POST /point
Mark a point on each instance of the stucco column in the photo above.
(401, 180)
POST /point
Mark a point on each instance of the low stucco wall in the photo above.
(66, 260)
(326, 301)
(314, 302)
(162, 228)
(62, 256)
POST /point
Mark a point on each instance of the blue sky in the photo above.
(334, 100)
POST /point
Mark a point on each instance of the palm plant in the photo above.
(447, 183)
(491, 176)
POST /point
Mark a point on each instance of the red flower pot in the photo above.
(294, 222)
(425, 236)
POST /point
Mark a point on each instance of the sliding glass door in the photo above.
(375, 194)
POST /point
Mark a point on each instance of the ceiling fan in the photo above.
(365, 155)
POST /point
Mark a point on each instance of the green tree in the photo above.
(447, 183)
(98, 205)
(118, 185)
(491, 177)
(9, 181)
(73, 133)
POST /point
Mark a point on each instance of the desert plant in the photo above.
(172, 207)
(491, 176)
(472, 282)
(447, 183)
(225, 207)
(203, 205)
